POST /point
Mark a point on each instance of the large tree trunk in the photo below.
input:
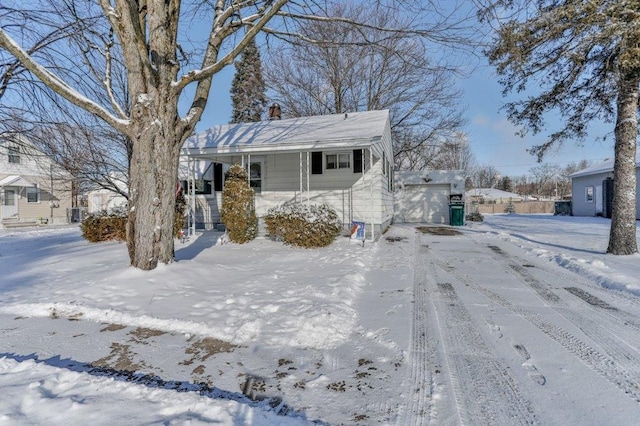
(152, 185)
(622, 237)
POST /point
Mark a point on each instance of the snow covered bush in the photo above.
(238, 213)
(302, 225)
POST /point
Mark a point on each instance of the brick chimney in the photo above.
(274, 112)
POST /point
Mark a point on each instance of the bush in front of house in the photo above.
(104, 227)
(303, 226)
(237, 212)
(113, 226)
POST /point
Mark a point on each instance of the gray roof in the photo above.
(336, 131)
(604, 167)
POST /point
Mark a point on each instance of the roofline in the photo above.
(248, 148)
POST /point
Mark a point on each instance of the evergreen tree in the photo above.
(238, 212)
(584, 59)
(506, 184)
(248, 88)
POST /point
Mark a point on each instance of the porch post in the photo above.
(300, 167)
(249, 169)
(308, 179)
(191, 187)
(371, 192)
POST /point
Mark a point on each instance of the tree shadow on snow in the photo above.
(205, 240)
(274, 404)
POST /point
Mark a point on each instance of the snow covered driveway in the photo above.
(518, 320)
(501, 337)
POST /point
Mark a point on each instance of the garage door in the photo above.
(424, 203)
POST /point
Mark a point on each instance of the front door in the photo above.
(9, 202)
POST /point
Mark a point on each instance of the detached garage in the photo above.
(423, 197)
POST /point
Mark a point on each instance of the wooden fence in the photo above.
(522, 207)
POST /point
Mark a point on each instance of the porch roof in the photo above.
(322, 132)
(15, 180)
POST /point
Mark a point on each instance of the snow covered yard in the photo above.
(521, 319)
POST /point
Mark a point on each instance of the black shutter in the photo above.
(316, 163)
(217, 177)
(357, 161)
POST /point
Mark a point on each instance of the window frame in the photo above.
(36, 190)
(589, 194)
(338, 163)
(13, 154)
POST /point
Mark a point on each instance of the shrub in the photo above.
(113, 226)
(303, 226)
(104, 227)
(475, 217)
(238, 213)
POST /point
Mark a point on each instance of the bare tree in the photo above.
(455, 155)
(160, 72)
(545, 177)
(485, 176)
(397, 72)
(583, 58)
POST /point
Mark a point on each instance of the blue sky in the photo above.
(492, 136)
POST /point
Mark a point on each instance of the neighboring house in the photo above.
(592, 190)
(424, 196)
(104, 200)
(492, 195)
(342, 160)
(33, 189)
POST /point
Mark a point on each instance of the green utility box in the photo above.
(456, 210)
(456, 214)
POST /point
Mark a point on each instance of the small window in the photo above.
(33, 194)
(589, 194)
(203, 186)
(338, 161)
(14, 154)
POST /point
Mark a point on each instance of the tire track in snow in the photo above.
(594, 325)
(609, 365)
(445, 340)
(422, 351)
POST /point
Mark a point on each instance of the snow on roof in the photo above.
(354, 129)
(15, 180)
(603, 167)
(492, 194)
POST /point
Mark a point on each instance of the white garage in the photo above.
(423, 197)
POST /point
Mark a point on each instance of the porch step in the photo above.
(17, 224)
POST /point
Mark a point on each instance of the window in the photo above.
(338, 161)
(33, 194)
(255, 176)
(14, 154)
(588, 191)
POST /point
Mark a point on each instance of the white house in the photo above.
(424, 196)
(342, 160)
(103, 200)
(33, 189)
(592, 190)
